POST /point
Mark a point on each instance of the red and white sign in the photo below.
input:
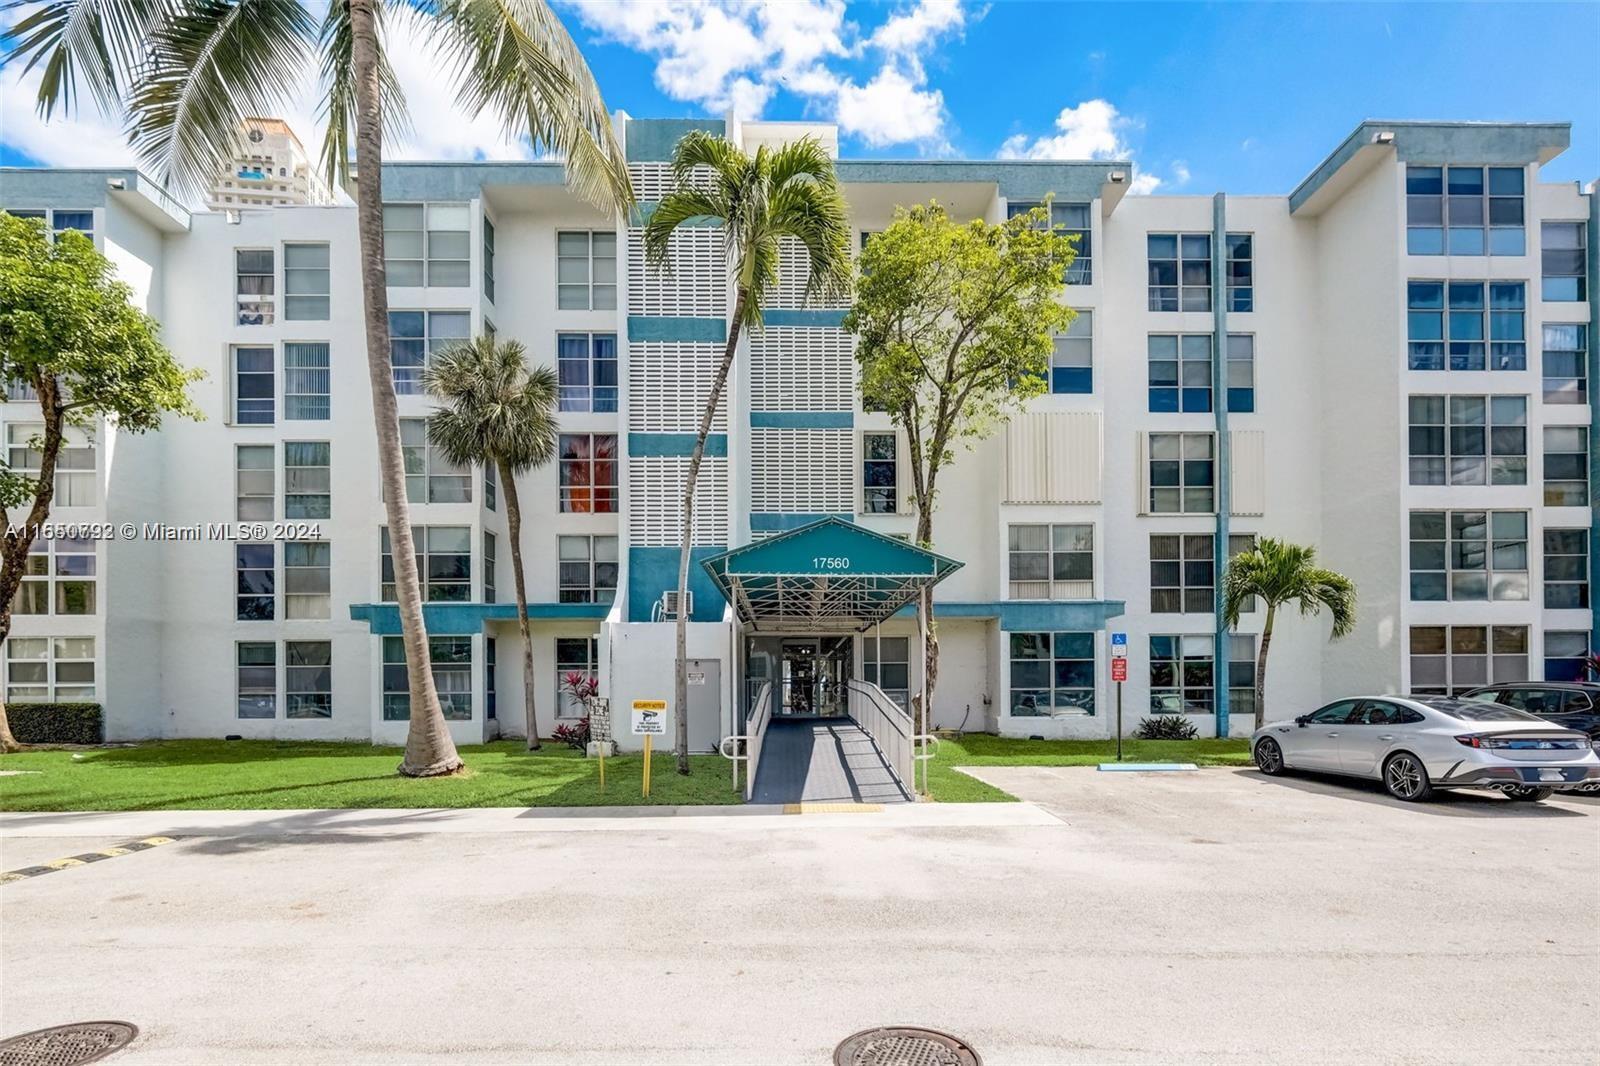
(1119, 669)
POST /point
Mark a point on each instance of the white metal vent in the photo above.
(668, 383)
(794, 267)
(796, 368)
(652, 181)
(655, 494)
(802, 471)
(696, 286)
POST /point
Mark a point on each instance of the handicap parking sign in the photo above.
(1118, 638)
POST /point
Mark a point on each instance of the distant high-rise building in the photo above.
(270, 168)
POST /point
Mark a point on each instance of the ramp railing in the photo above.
(890, 728)
(750, 742)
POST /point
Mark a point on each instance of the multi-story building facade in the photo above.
(1394, 362)
(269, 168)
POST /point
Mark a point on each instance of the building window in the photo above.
(430, 476)
(308, 678)
(307, 576)
(253, 284)
(588, 473)
(254, 387)
(880, 477)
(307, 479)
(1051, 562)
(588, 569)
(488, 567)
(1566, 363)
(1182, 573)
(1471, 326)
(586, 271)
(1464, 211)
(1241, 272)
(1181, 674)
(45, 669)
(452, 678)
(415, 337)
(587, 366)
(1069, 220)
(1180, 371)
(491, 699)
(1469, 555)
(488, 259)
(1182, 473)
(255, 492)
(255, 582)
(256, 671)
(75, 470)
(444, 563)
(306, 283)
(58, 578)
(59, 221)
(1561, 251)
(1180, 271)
(1484, 441)
(1242, 372)
(1052, 674)
(894, 678)
(1566, 466)
(1566, 568)
(491, 494)
(1448, 660)
(1242, 674)
(574, 655)
(1565, 652)
(1072, 361)
(306, 382)
(427, 244)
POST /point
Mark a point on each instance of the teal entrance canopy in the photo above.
(830, 576)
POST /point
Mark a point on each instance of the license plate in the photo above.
(1543, 773)
(1552, 775)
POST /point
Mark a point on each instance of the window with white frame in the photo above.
(488, 259)
(307, 479)
(1067, 219)
(1566, 569)
(588, 569)
(254, 488)
(880, 476)
(1448, 660)
(1566, 466)
(307, 578)
(1465, 210)
(254, 386)
(254, 284)
(58, 220)
(452, 678)
(893, 675)
(1241, 267)
(1466, 556)
(46, 669)
(58, 577)
(1051, 562)
(489, 595)
(1180, 371)
(586, 364)
(308, 678)
(256, 582)
(1180, 271)
(1183, 573)
(427, 244)
(574, 655)
(306, 283)
(430, 476)
(1072, 359)
(1561, 253)
(1565, 653)
(1466, 325)
(416, 336)
(1241, 371)
(1052, 674)
(1182, 473)
(491, 493)
(1468, 440)
(306, 381)
(588, 473)
(444, 563)
(586, 270)
(1242, 674)
(75, 469)
(256, 675)
(1182, 674)
(1566, 363)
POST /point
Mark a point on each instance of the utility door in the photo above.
(706, 727)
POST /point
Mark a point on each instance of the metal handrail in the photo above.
(890, 728)
(751, 739)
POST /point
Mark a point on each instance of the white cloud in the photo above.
(1180, 172)
(1143, 184)
(891, 109)
(1092, 130)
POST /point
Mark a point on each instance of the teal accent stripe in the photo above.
(801, 419)
(651, 140)
(645, 208)
(461, 619)
(674, 444)
(814, 318)
(652, 571)
(771, 522)
(1219, 372)
(1032, 616)
(1594, 414)
(668, 328)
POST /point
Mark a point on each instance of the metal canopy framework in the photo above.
(828, 577)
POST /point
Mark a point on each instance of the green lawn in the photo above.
(948, 785)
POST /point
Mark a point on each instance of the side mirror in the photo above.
(1303, 721)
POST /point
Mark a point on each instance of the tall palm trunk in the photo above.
(1261, 667)
(680, 686)
(925, 623)
(508, 489)
(429, 749)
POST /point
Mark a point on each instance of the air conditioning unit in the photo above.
(668, 608)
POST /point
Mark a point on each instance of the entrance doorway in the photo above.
(813, 676)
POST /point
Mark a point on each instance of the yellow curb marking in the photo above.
(84, 859)
(831, 808)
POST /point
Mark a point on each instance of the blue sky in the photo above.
(1242, 97)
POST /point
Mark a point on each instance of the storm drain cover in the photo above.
(901, 1045)
(66, 1045)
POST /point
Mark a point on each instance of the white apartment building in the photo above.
(1392, 362)
(270, 168)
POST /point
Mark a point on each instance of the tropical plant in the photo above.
(70, 332)
(760, 200)
(574, 735)
(1278, 573)
(1166, 727)
(186, 73)
(497, 411)
(955, 324)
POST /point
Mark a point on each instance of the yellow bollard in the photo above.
(647, 765)
(602, 768)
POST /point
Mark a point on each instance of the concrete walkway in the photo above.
(823, 760)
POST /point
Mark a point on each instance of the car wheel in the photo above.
(1269, 757)
(1406, 778)
(1529, 793)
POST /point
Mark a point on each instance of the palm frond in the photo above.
(90, 44)
(493, 407)
(676, 208)
(1280, 572)
(814, 213)
(336, 45)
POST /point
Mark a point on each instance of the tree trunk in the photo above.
(926, 626)
(680, 684)
(1261, 667)
(508, 489)
(429, 749)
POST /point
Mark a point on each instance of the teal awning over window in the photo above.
(828, 576)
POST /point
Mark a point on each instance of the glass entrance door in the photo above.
(798, 671)
(813, 676)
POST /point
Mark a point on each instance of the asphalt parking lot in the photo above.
(1216, 916)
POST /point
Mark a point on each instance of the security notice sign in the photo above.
(650, 718)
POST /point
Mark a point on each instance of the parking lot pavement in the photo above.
(1208, 917)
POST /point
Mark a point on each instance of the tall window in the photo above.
(75, 470)
(427, 244)
(588, 473)
(444, 563)
(1561, 252)
(587, 366)
(1566, 363)
(253, 283)
(1070, 220)
(893, 675)
(1051, 674)
(1464, 211)
(588, 569)
(254, 387)
(488, 259)
(430, 476)
(1180, 371)
(1183, 573)
(1182, 473)
(308, 678)
(490, 492)
(307, 479)
(254, 488)
(1566, 466)
(58, 578)
(307, 579)
(452, 677)
(1564, 654)
(306, 382)
(574, 655)
(305, 283)
(256, 673)
(586, 270)
(42, 669)
(256, 582)
(414, 337)
(1242, 673)
(1469, 556)
(488, 567)
(1242, 372)
(1051, 562)
(1566, 568)
(1241, 272)
(1448, 660)
(1072, 361)
(880, 477)
(1469, 440)
(1180, 271)
(1181, 674)
(1481, 328)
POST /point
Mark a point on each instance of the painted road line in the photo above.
(85, 859)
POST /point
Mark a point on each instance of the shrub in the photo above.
(574, 736)
(1167, 727)
(56, 723)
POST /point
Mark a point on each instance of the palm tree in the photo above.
(759, 200)
(186, 73)
(1279, 573)
(497, 411)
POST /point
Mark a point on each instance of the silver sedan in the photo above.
(1415, 744)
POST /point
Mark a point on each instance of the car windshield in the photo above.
(1475, 711)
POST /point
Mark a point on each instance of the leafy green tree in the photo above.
(1279, 573)
(186, 73)
(955, 325)
(70, 332)
(497, 411)
(759, 200)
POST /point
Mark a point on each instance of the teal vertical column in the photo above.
(1593, 359)
(1223, 474)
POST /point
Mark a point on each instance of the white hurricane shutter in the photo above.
(1248, 471)
(1053, 457)
(1141, 473)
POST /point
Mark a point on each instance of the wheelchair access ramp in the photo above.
(823, 760)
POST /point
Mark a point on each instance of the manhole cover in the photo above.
(66, 1045)
(903, 1045)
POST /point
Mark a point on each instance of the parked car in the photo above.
(1415, 744)
(1574, 704)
